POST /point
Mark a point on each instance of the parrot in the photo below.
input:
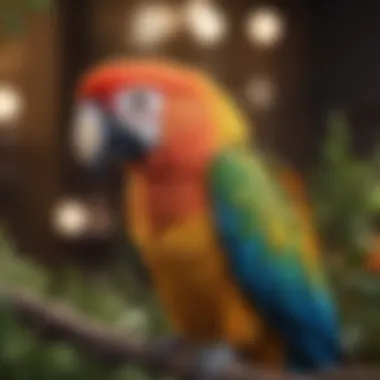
(233, 261)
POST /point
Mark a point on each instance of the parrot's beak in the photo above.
(99, 141)
(126, 146)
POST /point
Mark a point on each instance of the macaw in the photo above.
(231, 262)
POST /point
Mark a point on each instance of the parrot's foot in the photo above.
(171, 344)
(213, 361)
(164, 348)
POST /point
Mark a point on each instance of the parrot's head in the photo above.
(135, 111)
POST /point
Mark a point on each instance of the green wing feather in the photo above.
(272, 259)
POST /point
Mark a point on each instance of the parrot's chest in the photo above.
(178, 243)
(174, 226)
(172, 201)
(190, 277)
(187, 252)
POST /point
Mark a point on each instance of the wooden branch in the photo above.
(59, 322)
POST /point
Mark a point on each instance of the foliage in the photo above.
(346, 200)
(24, 356)
(358, 298)
(343, 190)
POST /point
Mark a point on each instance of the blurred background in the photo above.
(306, 74)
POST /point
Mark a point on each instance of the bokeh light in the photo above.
(265, 27)
(261, 92)
(206, 22)
(71, 218)
(152, 25)
(11, 104)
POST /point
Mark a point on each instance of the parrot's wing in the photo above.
(273, 259)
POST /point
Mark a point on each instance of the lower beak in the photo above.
(126, 146)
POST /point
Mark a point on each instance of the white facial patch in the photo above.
(88, 137)
(140, 112)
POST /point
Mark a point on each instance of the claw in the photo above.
(213, 361)
(170, 344)
(164, 348)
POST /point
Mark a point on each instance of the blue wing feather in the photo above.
(275, 280)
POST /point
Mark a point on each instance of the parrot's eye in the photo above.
(140, 110)
(142, 101)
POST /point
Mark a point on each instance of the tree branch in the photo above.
(58, 322)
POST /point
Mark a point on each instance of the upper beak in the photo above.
(97, 146)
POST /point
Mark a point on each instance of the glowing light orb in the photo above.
(11, 104)
(265, 27)
(153, 24)
(71, 218)
(261, 92)
(206, 23)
